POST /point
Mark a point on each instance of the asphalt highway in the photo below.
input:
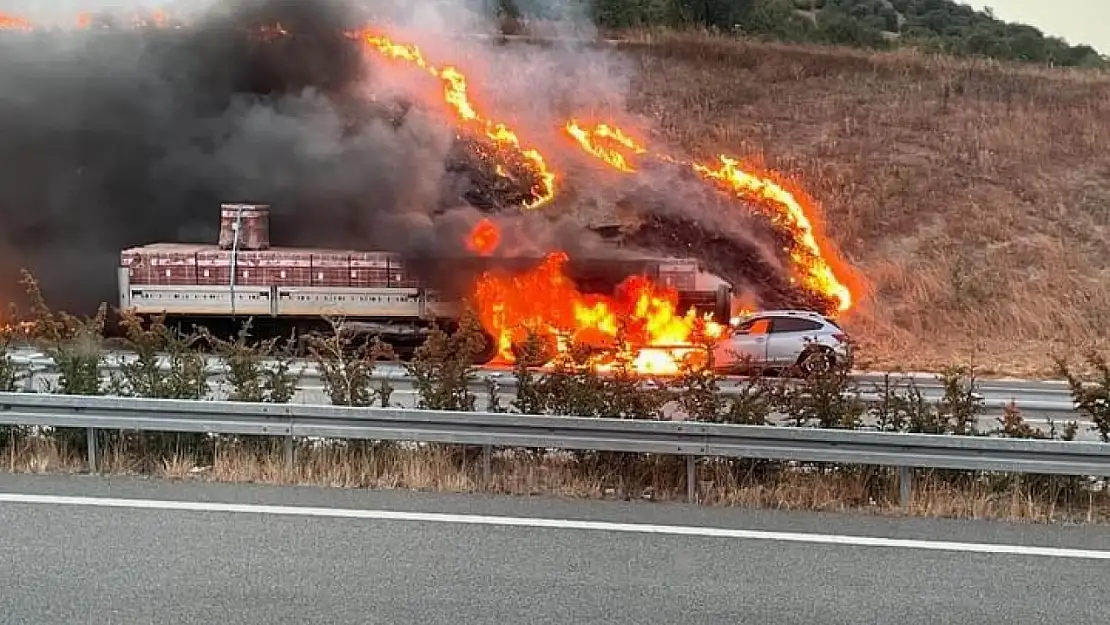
(121, 550)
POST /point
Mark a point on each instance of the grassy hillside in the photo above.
(974, 195)
(933, 25)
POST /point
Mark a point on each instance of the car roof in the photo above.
(804, 314)
(795, 314)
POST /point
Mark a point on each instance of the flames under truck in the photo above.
(282, 289)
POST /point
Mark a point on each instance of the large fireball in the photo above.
(641, 319)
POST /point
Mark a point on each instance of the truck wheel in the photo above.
(722, 310)
(488, 351)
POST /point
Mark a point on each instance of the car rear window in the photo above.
(793, 324)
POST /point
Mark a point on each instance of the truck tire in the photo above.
(488, 351)
(722, 310)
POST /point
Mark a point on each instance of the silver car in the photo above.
(780, 340)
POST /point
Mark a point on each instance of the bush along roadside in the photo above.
(346, 364)
(166, 362)
(11, 377)
(1091, 394)
(165, 365)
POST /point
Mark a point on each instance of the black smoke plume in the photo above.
(115, 137)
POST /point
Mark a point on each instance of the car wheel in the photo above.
(816, 361)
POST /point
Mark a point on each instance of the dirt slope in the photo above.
(974, 196)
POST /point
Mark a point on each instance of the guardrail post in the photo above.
(90, 439)
(29, 381)
(289, 452)
(905, 482)
(487, 461)
(691, 479)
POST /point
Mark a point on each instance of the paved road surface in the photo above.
(344, 560)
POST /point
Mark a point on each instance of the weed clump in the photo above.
(443, 369)
(346, 363)
(1091, 395)
(697, 390)
(826, 398)
(76, 347)
(11, 374)
(256, 371)
(74, 344)
(10, 377)
(166, 363)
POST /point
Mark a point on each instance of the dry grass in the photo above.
(612, 477)
(972, 194)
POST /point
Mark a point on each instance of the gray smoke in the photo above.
(119, 137)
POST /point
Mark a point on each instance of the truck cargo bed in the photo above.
(177, 264)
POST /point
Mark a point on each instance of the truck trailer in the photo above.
(286, 289)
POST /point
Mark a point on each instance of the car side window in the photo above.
(782, 325)
(754, 326)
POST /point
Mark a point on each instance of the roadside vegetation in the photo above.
(164, 362)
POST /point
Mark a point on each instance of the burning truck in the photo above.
(287, 289)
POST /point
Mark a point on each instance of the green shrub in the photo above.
(155, 346)
(443, 369)
(961, 405)
(531, 354)
(346, 364)
(76, 347)
(10, 377)
(257, 371)
(827, 398)
(586, 381)
(1091, 396)
(166, 366)
(697, 390)
(11, 374)
(74, 344)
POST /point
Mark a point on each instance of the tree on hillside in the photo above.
(937, 25)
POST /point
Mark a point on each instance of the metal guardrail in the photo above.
(684, 438)
(1050, 396)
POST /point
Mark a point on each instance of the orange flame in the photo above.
(593, 141)
(16, 329)
(11, 22)
(545, 302)
(811, 257)
(484, 238)
(455, 93)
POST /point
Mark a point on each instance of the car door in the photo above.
(788, 338)
(747, 341)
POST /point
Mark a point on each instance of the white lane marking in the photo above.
(530, 522)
